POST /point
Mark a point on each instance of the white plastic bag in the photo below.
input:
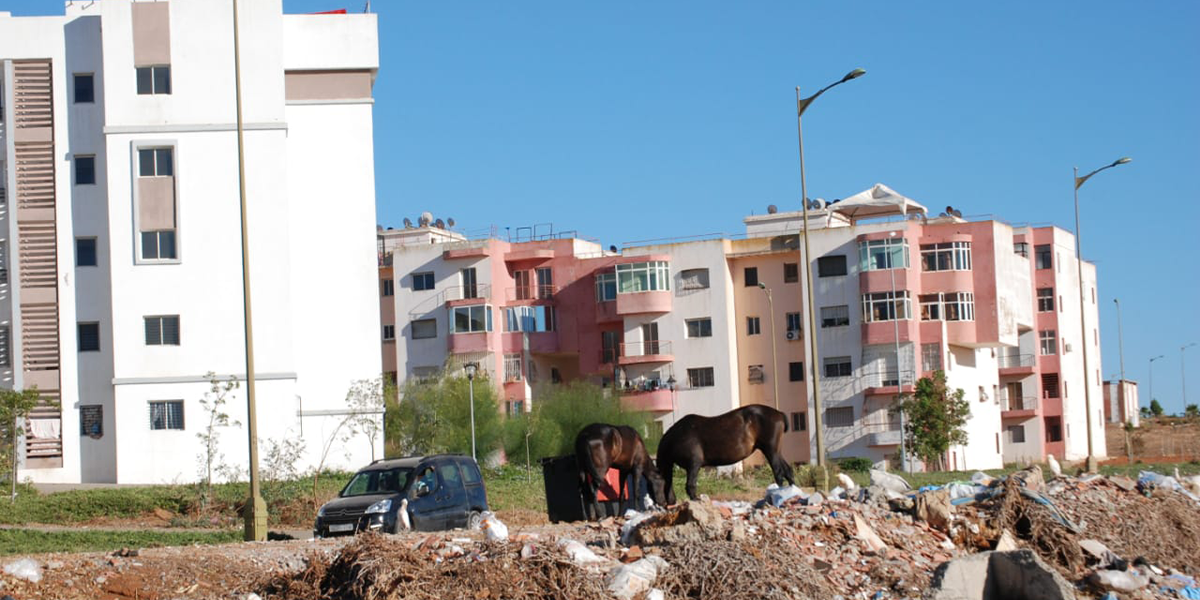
(632, 520)
(777, 495)
(494, 528)
(627, 581)
(889, 481)
(580, 554)
(26, 568)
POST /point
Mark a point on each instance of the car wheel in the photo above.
(474, 519)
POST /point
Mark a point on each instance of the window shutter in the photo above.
(170, 331)
(153, 331)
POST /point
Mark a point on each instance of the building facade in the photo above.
(122, 219)
(705, 326)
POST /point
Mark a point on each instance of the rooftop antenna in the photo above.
(957, 213)
(612, 248)
(407, 223)
(772, 209)
(425, 219)
(440, 224)
(450, 221)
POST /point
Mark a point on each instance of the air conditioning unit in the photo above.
(793, 335)
(1066, 347)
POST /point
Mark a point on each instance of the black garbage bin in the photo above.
(564, 502)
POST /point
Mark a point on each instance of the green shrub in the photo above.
(559, 412)
(856, 464)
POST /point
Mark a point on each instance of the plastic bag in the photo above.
(777, 496)
(889, 481)
(627, 581)
(580, 554)
(494, 528)
(26, 568)
(632, 520)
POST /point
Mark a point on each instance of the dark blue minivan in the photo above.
(434, 492)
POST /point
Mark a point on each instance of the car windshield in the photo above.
(377, 482)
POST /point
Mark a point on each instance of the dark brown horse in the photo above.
(695, 441)
(599, 447)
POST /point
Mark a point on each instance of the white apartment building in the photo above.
(121, 220)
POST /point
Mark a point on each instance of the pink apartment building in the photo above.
(704, 326)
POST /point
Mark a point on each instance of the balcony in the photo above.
(530, 293)
(652, 400)
(477, 249)
(1018, 407)
(641, 353)
(464, 295)
(467, 343)
(636, 303)
(887, 383)
(883, 434)
(1016, 364)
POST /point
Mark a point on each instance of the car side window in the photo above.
(450, 475)
(427, 479)
(470, 473)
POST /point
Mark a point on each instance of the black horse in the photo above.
(599, 447)
(695, 441)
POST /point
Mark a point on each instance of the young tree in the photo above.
(561, 411)
(213, 403)
(1145, 411)
(1192, 411)
(364, 401)
(433, 415)
(15, 407)
(1156, 409)
(935, 419)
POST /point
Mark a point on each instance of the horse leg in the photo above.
(693, 472)
(781, 469)
(621, 505)
(588, 493)
(666, 470)
(635, 498)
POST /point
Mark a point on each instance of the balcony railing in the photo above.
(888, 378)
(467, 292)
(654, 348)
(1009, 403)
(883, 434)
(1014, 361)
(530, 292)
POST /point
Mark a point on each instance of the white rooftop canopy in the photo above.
(879, 201)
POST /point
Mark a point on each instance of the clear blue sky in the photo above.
(635, 120)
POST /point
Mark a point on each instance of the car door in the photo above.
(427, 512)
(453, 494)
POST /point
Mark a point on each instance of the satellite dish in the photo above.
(943, 215)
(407, 223)
(612, 248)
(425, 219)
(957, 213)
(450, 221)
(440, 224)
(379, 228)
(772, 209)
(950, 210)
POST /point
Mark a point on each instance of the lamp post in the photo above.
(1151, 390)
(1182, 371)
(470, 369)
(1087, 389)
(899, 377)
(671, 386)
(255, 511)
(1120, 340)
(774, 359)
(802, 104)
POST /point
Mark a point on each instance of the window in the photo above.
(1021, 249)
(702, 377)
(890, 253)
(609, 345)
(91, 420)
(652, 276)
(469, 281)
(800, 421)
(750, 275)
(5, 346)
(835, 316)
(842, 416)
(756, 374)
(158, 245)
(424, 329)
(166, 414)
(512, 366)
(791, 272)
(162, 330)
(422, 281)
(698, 328)
(545, 283)
(156, 162)
(1045, 299)
(1054, 431)
(85, 252)
(1016, 434)
(606, 287)
(521, 280)
(85, 88)
(693, 279)
(793, 322)
(752, 326)
(3, 261)
(950, 306)
(931, 357)
(886, 306)
(795, 371)
(1049, 343)
(1041, 255)
(532, 319)
(948, 256)
(154, 80)
(89, 337)
(838, 366)
(85, 170)
(831, 266)
(1050, 385)
(387, 287)
(389, 333)
(471, 319)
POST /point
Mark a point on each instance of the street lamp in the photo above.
(470, 369)
(896, 331)
(671, 386)
(1151, 390)
(814, 376)
(1087, 389)
(774, 359)
(1182, 370)
(1120, 343)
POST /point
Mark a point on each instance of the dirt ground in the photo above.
(1160, 440)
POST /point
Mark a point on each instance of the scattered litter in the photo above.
(580, 554)
(629, 580)
(777, 496)
(889, 481)
(25, 568)
(494, 528)
(1117, 581)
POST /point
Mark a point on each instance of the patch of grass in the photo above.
(32, 541)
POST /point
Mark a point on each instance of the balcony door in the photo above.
(470, 287)
(524, 292)
(650, 338)
(1016, 395)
